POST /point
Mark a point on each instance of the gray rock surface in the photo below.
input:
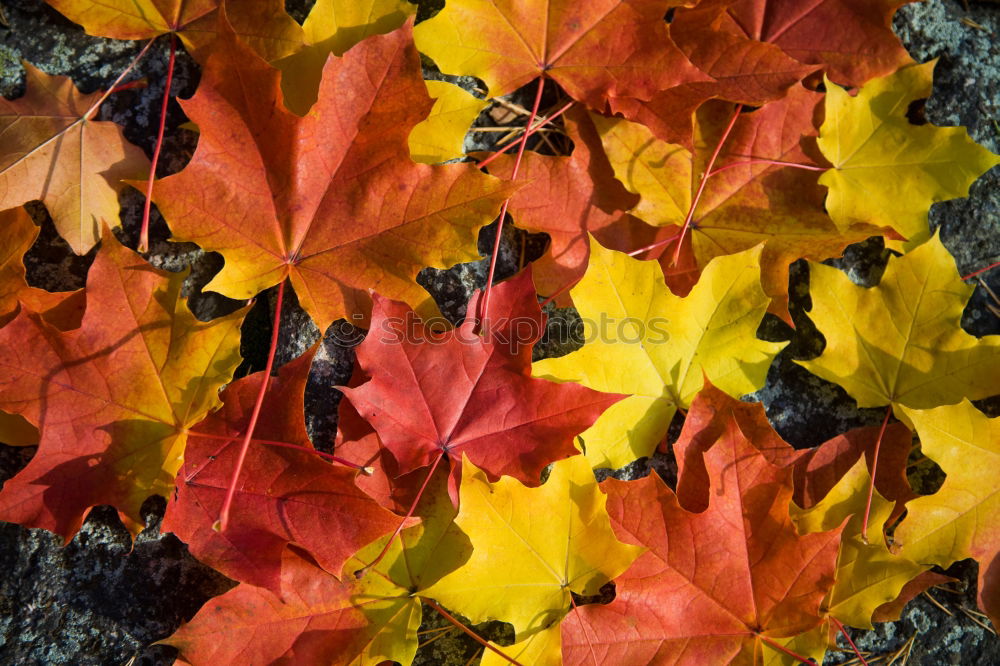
(100, 600)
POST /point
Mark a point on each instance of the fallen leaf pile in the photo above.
(702, 155)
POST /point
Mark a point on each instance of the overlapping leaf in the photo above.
(595, 50)
(456, 393)
(262, 23)
(51, 150)
(697, 599)
(747, 199)
(114, 398)
(901, 342)
(334, 26)
(332, 200)
(888, 171)
(663, 346)
(284, 496)
(556, 539)
(962, 519)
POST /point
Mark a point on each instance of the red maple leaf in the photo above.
(285, 495)
(715, 585)
(436, 394)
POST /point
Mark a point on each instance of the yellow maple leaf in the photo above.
(868, 575)
(262, 24)
(552, 540)
(333, 27)
(441, 136)
(661, 346)
(539, 648)
(962, 519)
(888, 171)
(901, 342)
(52, 150)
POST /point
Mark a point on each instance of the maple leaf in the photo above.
(418, 558)
(17, 234)
(263, 24)
(888, 171)
(747, 200)
(567, 198)
(713, 587)
(114, 398)
(960, 519)
(286, 496)
(745, 68)
(316, 618)
(455, 393)
(815, 471)
(51, 150)
(330, 201)
(441, 136)
(61, 309)
(556, 539)
(868, 575)
(313, 621)
(663, 345)
(852, 39)
(901, 342)
(594, 50)
(333, 27)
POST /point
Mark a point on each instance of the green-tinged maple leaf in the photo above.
(114, 398)
(50, 150)
(886, 170)
(555, 539)
(333, 27)
(662, 346)
(743, 203)
(901, 342)
(331, 201)
(388, 592)
(717, 587)
(441, 136)
(868, 575)
(962, 519)
(594, 50)
(263, 24)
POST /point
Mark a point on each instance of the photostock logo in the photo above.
(512, 333)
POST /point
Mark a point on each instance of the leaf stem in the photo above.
(981, 270)
(871, 485)
(476, 637)
(287, 445)
(144, 230)
(231, 491)
(542, 122)
(360, 573)
(849, 640)
(704, 180)
(794, 165)
(665, 241)
(484, 308)
(781, 648)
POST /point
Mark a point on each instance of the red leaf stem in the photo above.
(231, 492)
